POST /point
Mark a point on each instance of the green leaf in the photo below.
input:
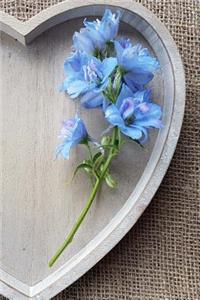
(106, 140)
(97, 160)
(86, 167)
(87, 162)
(110, 181)
(118, 82)
(96, 156)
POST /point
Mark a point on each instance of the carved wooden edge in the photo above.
(132, 210)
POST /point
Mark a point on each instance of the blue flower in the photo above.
(96, 34)
(73, 132)
(134, 113)
(87, 77)
(138, 66)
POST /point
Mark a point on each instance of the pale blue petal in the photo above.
(64, 86)
(119, 51)
(142, 96)
(100, 88)
(151, 118)
(113, 116)
(132, 132)
(96, 38)
(135, 58)
(154, 112)
(77, 87)
(108, 65)
(149, 123)
(144, 132)
(82, 42)
(106, 103)
(76, 62)
(64, 150)
(109, 25)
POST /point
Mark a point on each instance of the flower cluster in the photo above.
(111, 74)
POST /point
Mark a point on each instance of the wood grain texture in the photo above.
(38, 205)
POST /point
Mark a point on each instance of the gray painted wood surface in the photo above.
(38, 205)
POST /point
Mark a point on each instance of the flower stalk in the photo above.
(89, 202)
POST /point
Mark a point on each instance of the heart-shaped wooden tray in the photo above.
(38, 206)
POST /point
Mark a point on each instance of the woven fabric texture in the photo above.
(159, 259)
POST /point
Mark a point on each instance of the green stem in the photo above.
(89, 150)
(89, 202)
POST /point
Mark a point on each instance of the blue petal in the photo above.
(119, 51)
(106, 103)
(82, 42)
(92, 100)
(127, 108)
(77, 87)
(125, 93)
(142, 96)
(125, 43)
(79, 133)
(137, 79)
(108, 65)
(113, 116)
(75, 62)
(64, 86)
(144, 132)
(96, 38)
(151, 118)
(136, 59)
(110, 25)
(64, 150)
(132, 132)
(154, 111)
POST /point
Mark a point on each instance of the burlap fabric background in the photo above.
(159, 259)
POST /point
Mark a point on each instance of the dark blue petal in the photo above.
(92, 100)
(138, 79)
(125, 93)
(127, 108)
(131, 83)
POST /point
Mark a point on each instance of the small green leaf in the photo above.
(86, 167)
(97, 160)
(105, 140)
(87, 162)
(117, 82)
(96, 156)
(110, 181)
